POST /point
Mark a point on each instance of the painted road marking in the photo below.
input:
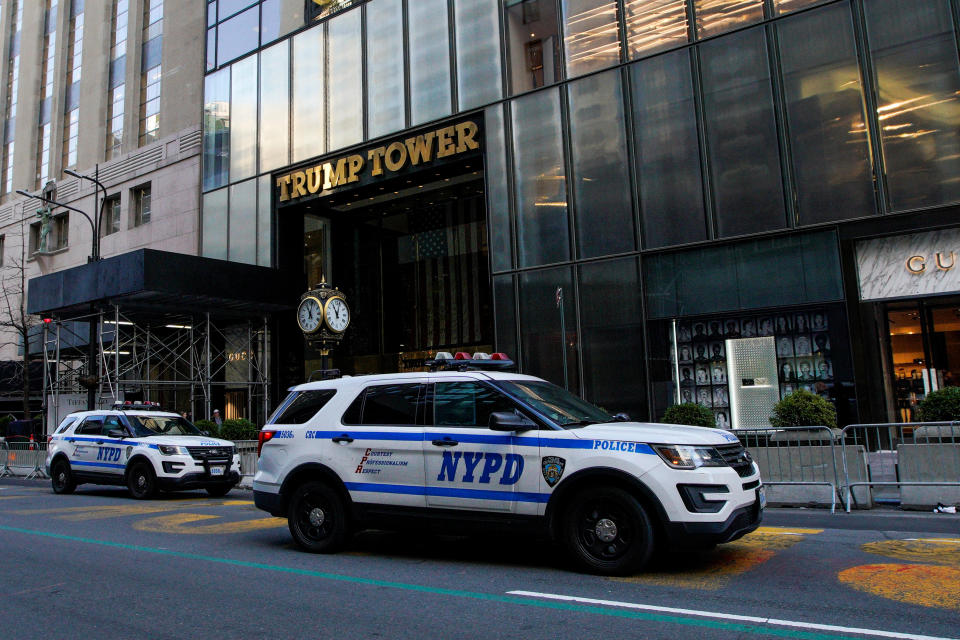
(732, 622)
(714, 570)
(100, 512)
(729, 616)
(929, 551)
(177, 523)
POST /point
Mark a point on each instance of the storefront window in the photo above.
(591, 35)
(545, 348)
(429, 60)
(533, 44)
(215, 224)
(786, 6)
(667, 151)
(345, 80)
(828, 135)
(742, 134)
(478, 53)
(243, 222)
(654, 25)
(238, 35)
(309, 134)
(264, 222)
(600, 177)
(385, 93)
(275, 106)
(498, 203)
(717, 16)
(914, 51)
(243, 119)
(216, 129)
(541, 185)
(612, 336)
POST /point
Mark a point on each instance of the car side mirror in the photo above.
(205, 433)
(510, 421)
(117, 433)
(621, 417)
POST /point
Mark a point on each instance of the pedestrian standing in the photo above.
(216, 418)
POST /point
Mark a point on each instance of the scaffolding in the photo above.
(183, 361)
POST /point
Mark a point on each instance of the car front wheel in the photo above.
(141, 481)
(607, 532)
(318, 518)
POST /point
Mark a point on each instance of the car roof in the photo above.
(434, 376)
(118, 412)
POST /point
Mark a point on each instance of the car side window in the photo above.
(467, 404)
(391, 404)
(110, 423)
(65, 424)
(304, 406)
(91, 426)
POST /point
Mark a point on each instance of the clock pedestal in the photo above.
(323, 315)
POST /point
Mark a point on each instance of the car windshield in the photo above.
(561, 406)
(162, 426)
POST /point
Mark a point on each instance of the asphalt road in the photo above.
(99, 564)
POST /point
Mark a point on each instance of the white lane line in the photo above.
(729, 616)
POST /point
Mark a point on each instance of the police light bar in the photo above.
(127, 405)
(463, 361)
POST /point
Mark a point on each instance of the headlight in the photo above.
(681, 456)
(172, 450)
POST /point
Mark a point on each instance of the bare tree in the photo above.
(16, 325)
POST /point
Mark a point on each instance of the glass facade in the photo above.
(616, 134)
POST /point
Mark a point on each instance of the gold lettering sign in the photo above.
(916, 264)
(945, 261)
(390, 158)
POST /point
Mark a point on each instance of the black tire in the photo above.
(219, 491)
(317, 518)
(607, 532)
(141, 481)
(61, 477)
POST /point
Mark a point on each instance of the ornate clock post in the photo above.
(323, 316)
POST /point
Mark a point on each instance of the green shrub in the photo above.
(689, 413)
(207, 425)
(4, 423)
(940, 406)
(804, 409)
(238, 429)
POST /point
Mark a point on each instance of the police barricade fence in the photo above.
(248, 456)
(914, 464)
(23, 459)
(798, 465)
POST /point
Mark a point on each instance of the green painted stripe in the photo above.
(491, 597)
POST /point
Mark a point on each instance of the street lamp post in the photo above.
(49, 196)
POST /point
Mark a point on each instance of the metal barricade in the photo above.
(5, 459)
(248, 456)
(911, 463)
(24, 458)
(793, 458)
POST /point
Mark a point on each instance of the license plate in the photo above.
(762, 497)
(216, 471)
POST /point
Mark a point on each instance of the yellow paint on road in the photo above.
(945, 551)
(714, 570)
(921, 584)
(100, 512)
(183, 523)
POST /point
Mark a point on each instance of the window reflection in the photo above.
(243, 119)
(385, 94)
(542, 342)
(498, 205)
(653, 25)
(215, 224)
(533, 43)
(243, 222)
(591, 35)
(238, 35)
(344, 53)
(786, 6)
(478, 52)
(275, 106)
(216, 129)
(915, 59)
(429, 60)
(309, 137)
(717, 16)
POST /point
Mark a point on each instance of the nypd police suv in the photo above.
(137, 445)
(473, 447)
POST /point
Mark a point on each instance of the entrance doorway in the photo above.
(924, 352)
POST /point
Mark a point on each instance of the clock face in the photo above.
(309, 315)
(337, 314)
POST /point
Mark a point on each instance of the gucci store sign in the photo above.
(919, 264)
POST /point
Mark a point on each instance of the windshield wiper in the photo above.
(578, 423)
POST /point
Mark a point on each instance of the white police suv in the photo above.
(474, 447)
(137, 445)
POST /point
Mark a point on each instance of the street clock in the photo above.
(323, 316)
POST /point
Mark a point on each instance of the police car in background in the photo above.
(470, 445)
(142, 447)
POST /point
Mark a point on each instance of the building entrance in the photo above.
(411, 256)
(924, 352)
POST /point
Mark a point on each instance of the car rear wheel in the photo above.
(141, 481)
(317, 518)
(607, 532)
(61, 478)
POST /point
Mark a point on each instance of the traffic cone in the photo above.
(31, 442)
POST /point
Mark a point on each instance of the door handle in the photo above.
(446, 442)
(71, 440)
(344, 438)
(99, 441)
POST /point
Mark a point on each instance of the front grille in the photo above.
(206, 453)
(738, 458)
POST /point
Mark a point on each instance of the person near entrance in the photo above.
(217, 419)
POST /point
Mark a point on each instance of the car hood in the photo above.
(187, 441)
(651, 432)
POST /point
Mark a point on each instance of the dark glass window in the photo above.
(653, 25)
(543, 343)
(391, 404)
(604, 211)
(541, 192)
(90, 426)
(506, 315)
(110, 423)
(828, 136)
(238, 35)
(668, 151)
(611, 334)
(305, 406)
(590, 34)
(498, 200)
(717, 16)
(230, 7)
(533, 43)
(467, 404)
(742, 134)
(914, 52)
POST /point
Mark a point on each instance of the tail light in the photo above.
(264, 437)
